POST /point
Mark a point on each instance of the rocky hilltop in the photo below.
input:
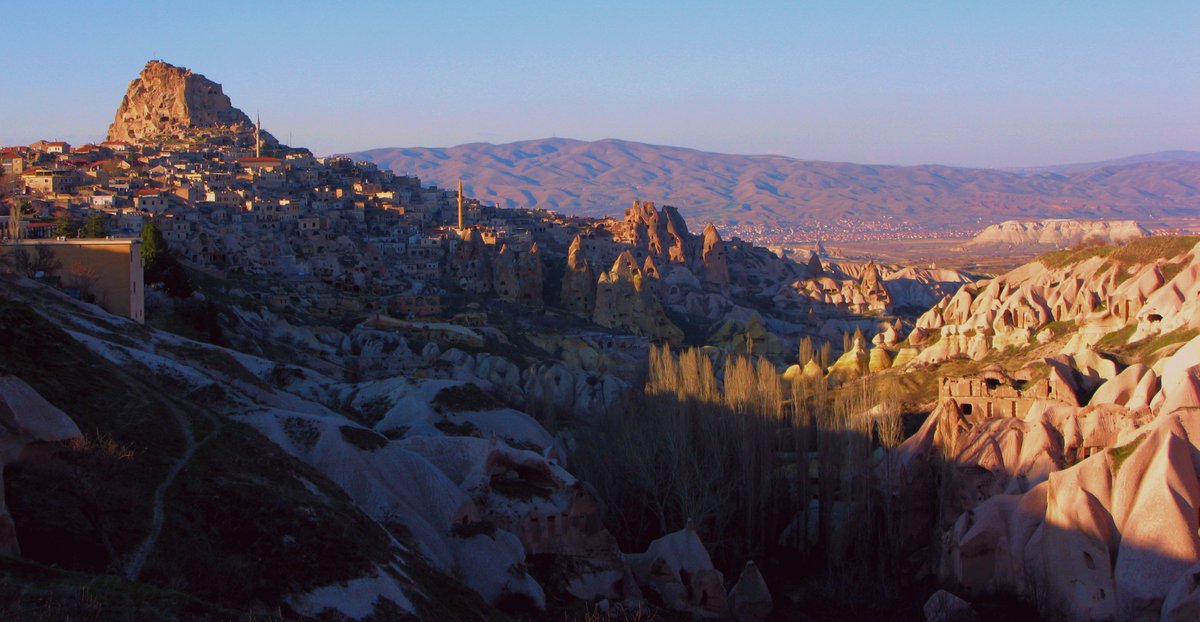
(1050, 234)
(166, 101)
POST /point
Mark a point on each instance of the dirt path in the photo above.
(138, 558)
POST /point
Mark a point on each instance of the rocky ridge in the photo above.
(588, 178)
(1051, 234)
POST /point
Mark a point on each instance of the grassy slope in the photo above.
(1140, 251)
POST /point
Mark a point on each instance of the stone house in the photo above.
(152, 200)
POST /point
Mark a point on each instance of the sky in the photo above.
(968, 83)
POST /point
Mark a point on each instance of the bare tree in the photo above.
(806, 351)
(29, 264)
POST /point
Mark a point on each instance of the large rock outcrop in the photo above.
(1148, 287)
(661, 233)
(716, 263)
(677, 567)
(504, 274)
(579, 281)
(1033, 235)
(529, 277)
(471, 263)
(625, 300)
(168, 101)
(1089, 512)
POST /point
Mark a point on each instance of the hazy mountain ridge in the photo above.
(1158, 156)
(599, 178)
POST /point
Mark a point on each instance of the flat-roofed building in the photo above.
(107, 272)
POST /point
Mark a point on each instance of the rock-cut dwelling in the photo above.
(994, 393)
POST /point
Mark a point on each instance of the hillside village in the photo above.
(407, 403)
(330, 237)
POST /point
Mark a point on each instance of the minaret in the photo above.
(460, 205)
(257, 135)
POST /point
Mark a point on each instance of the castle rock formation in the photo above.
(166, 101)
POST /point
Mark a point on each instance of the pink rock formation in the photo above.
(529, 277)
(625, 300)
(1114, 536)
(716, 264)
(471, 263)
(579, 282)
(678, 568)
(505, 280)
(168, 101)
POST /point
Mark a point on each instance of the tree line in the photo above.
(759, 464)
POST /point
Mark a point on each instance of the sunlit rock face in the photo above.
(716, 263)
(1150, 288)
(1089, 511)
(168, 101)
(579, 281)
(625, 300)
(662, 233)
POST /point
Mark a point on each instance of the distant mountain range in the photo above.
(603, 177)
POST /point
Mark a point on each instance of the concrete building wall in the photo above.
(109, 270)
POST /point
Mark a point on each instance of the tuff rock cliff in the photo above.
(166, 101)
(1055, 233)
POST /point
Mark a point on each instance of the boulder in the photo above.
(26, 418)
(750, 600)
(946, 607)
(678, 568)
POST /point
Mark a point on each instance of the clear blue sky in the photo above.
(964, 82)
